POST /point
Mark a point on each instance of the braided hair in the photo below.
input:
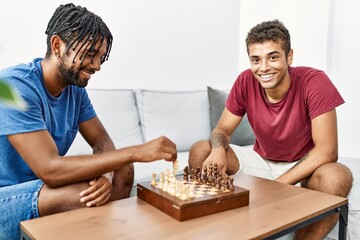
(270, 30)
(73, 24)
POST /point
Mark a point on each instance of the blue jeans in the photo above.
(18, 203)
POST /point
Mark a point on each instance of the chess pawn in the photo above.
(198, 175)
(231, 184)
(171, 187)
(191, 174)
(166, 182)
(161, 181)
(204, 175)
(210, 172)
(186, 173)
(175, 166)
(192, 191)
(153, 180)
(178, 189)
(215, 170)
(223, 185)
(165, 185)
(213, 181)
(185, 177)
(184, 195)
(218, 183)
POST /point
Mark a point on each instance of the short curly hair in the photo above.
(270, 30)
(73, 24)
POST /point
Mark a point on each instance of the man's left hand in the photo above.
(98, 193)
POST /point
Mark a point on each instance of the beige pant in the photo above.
(253, 164)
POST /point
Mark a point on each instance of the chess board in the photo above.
(204, 202)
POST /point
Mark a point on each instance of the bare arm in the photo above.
(220, 136)
(220, 139)
(97, 137)
(40, 152)
(324, 134)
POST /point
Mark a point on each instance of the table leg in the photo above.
(343, 221)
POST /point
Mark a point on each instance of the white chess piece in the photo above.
(161, 181)
(184, 195)
(192, 191)
(153, 179)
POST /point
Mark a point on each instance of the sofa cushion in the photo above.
(181, 116)
(117, 111)
(243, 134)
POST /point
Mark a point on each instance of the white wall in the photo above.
(158, 44)
(306, 20)
(343, 67)
(189, 44)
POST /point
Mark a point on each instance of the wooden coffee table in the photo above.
(275, 209)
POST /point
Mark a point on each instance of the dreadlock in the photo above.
(73, 24)
(270, 30)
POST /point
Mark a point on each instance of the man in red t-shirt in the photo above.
(292, 113)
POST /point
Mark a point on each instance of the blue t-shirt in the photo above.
(60, 116)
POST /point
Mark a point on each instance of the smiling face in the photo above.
(76, 67)
(269, 65)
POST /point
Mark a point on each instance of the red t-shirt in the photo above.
(283, 129)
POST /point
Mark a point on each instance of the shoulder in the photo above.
(309, 78)
(25, 78)
(306, 73)
(245, 79)
(21, 69)
(245, 75)
(26, 74)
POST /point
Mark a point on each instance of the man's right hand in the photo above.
(156, 149)
(217, 156)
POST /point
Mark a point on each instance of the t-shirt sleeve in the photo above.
(235, 102)
(321, 95)
(16, 120)
(87, 111)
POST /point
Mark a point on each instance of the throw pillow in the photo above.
(243, 134)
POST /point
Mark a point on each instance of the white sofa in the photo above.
(136, 116)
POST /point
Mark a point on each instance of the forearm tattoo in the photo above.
(218, 139)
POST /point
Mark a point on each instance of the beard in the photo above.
(71, 76)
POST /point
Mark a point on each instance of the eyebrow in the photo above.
(270, 53)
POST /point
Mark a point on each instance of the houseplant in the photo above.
(10, 97)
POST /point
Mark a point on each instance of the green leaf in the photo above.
(10, 97)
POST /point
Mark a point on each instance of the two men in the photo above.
(36, 178)
(292, 113)
(291, 110)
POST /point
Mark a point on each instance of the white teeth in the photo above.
(87, 74)
(266, 77)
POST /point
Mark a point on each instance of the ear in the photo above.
(290, 57)
(56, 45)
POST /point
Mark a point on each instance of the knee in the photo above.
(123, 181)
(199, 151)
(126, 174)
(200, 146)
(333, 178)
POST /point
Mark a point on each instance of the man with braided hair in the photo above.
(36, 178)
(292, 113)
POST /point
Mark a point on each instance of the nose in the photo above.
(264, 65)
(96, 63)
